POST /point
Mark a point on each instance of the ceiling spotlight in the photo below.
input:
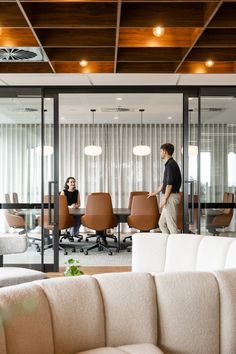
(158, 31)
(169, 117)
(116, 117)
(209, 63)
(62, 118)
(119, 98)
(83, 63)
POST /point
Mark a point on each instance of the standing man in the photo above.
(170, 189)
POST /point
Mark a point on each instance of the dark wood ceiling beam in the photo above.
(76, 37)
(35, 35)
(17, 37)
(11, 16)
(78, 54)
(215, 54)
(210, 11)
(151, 54)
(92, 67)
(117, 33)
(213, 37)
(201, 68)
(162, 14)
(71, 14)
(146, 67)
(25, 68)
(225, 17)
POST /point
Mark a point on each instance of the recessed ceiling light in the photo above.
(169, 117)
(158, 31)
(48, 99)
(119, 98)
(116, 117)
(83, 63)
(209, 63)
(62, 118)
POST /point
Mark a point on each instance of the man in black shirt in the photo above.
(170, 189)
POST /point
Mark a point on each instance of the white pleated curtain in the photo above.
(117, 170)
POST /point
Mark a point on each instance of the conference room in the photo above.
(110, 143)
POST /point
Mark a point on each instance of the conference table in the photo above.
(121, 213)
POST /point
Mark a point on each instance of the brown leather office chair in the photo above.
(224, 217)
(65, 221)
(144, 214)
(15, 221)
(15, 200)
(133, 194)
(99, 217)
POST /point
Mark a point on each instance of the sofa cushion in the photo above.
(227, 287)
(130, 308)
(77, 313)
(149, 252)
(16, 275)
(25, 320)
(212, 253)
(188, 307)
(231, 256)
(146, 348)
(11, 243)
(181, 252)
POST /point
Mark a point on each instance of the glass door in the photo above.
(218, 152)
(27, 164)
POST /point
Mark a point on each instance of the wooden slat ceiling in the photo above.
(116, 36)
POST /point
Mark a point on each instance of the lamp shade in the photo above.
(141, 150)
(47, 150)
(93, 150)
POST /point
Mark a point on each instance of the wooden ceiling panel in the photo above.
(77, 37)
(78, 54)
(136, 67)
(215, 54)
(201, 68)
(224, 37)
(11, 16)
(71, 14)
(226, 16)
(14, 37)
(74, 67)
(117, 35)
(151, 54)
(25, 68)
(169, 14)
(143, 37)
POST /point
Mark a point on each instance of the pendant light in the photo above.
(141, 150)
(93, 150)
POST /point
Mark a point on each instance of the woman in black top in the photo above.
(73, 200)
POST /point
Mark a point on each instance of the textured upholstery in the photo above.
(11, 244)
(135, 193)
(182, 252)
(182, 312)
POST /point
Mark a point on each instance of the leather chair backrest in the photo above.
(99, 212)
(228, 198)
(144, 214)
(65, 219)
(15, 198)
(135, 193)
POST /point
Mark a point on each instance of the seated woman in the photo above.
(73, 200)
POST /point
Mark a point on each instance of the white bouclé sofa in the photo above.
(155, 252)
(121, 313)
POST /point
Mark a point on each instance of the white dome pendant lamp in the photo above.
(93, 150)
(141, 150)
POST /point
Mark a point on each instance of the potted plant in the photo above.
(72, 268)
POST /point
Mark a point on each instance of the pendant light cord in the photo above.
(93, 110)
(141, 124)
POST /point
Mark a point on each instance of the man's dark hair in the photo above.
(169, 148)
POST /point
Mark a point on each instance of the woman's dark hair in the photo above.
(67, 181)
(169, 148)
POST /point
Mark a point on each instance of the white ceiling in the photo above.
(75, 109)
(116, 79)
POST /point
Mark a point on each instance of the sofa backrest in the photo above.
(154, 252)
(185, 312)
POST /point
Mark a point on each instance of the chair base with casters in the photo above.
(112, 237)
(102, 246)
(127, 238)
(67, 236)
